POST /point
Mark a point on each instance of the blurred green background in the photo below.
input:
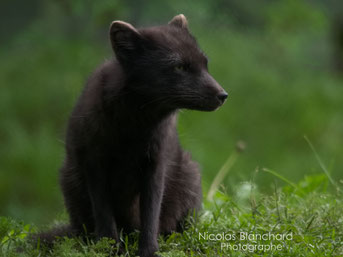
(281, 62)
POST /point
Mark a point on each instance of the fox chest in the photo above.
(128, 168)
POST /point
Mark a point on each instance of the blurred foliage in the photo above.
(274, 58)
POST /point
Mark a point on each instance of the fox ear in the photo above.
(125, 38)
(179, 21)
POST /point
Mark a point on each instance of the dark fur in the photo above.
(124, 167)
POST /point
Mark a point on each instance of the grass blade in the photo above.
(224, 170)
(320, 162)
(282, 178)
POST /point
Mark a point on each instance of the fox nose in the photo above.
(222, 96)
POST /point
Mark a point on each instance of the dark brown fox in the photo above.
(124, 167)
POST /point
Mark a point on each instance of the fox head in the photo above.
(165, 66)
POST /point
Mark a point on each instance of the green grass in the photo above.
(307, 214)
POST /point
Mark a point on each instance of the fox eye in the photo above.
(181, 67)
